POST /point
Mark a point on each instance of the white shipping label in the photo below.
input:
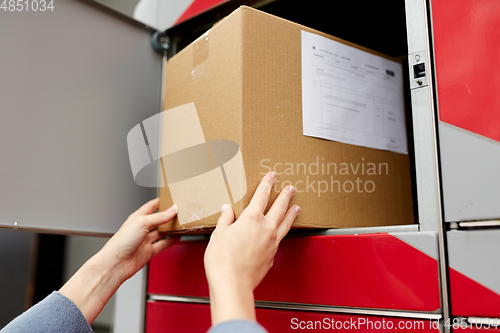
(351, 96)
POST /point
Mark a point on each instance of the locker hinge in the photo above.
(159, 41)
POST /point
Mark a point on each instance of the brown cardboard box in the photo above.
(244, 78)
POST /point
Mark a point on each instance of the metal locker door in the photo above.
(73, 82)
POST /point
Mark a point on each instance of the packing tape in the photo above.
(200, 55)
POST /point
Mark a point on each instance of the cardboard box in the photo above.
(241, 82)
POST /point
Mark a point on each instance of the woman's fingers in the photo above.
(151, 221)
(286, 222)
(280, 205)
(155, 235)
(148, 208)
(227, 216)
(261, 196)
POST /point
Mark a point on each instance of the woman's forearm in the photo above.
(91, 287)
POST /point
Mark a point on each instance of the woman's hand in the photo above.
(240, 254)
(135, 243)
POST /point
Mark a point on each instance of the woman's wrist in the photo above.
(231, 301)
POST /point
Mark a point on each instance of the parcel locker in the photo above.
(66, 114)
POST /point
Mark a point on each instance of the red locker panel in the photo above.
(473, 273)
(470, 298)
(186, 317)
(466, 35)
(369, 271)
(172, 317)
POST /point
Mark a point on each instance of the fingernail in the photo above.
(291, 189)
(273, 174)
(297, 210)
(224, 208)
(173, 208)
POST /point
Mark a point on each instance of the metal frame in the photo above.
(308, 307)
(424, 122)
(361, 230)
(424, 110)
(130, 305)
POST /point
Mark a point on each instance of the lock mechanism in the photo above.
(419, 71)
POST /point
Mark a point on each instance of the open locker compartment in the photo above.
(378, 26)
(359, 24)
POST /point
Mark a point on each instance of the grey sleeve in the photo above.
(56, 313)
(240, 326)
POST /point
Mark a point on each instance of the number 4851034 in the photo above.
(27, 5)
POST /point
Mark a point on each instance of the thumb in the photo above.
(227, 216)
